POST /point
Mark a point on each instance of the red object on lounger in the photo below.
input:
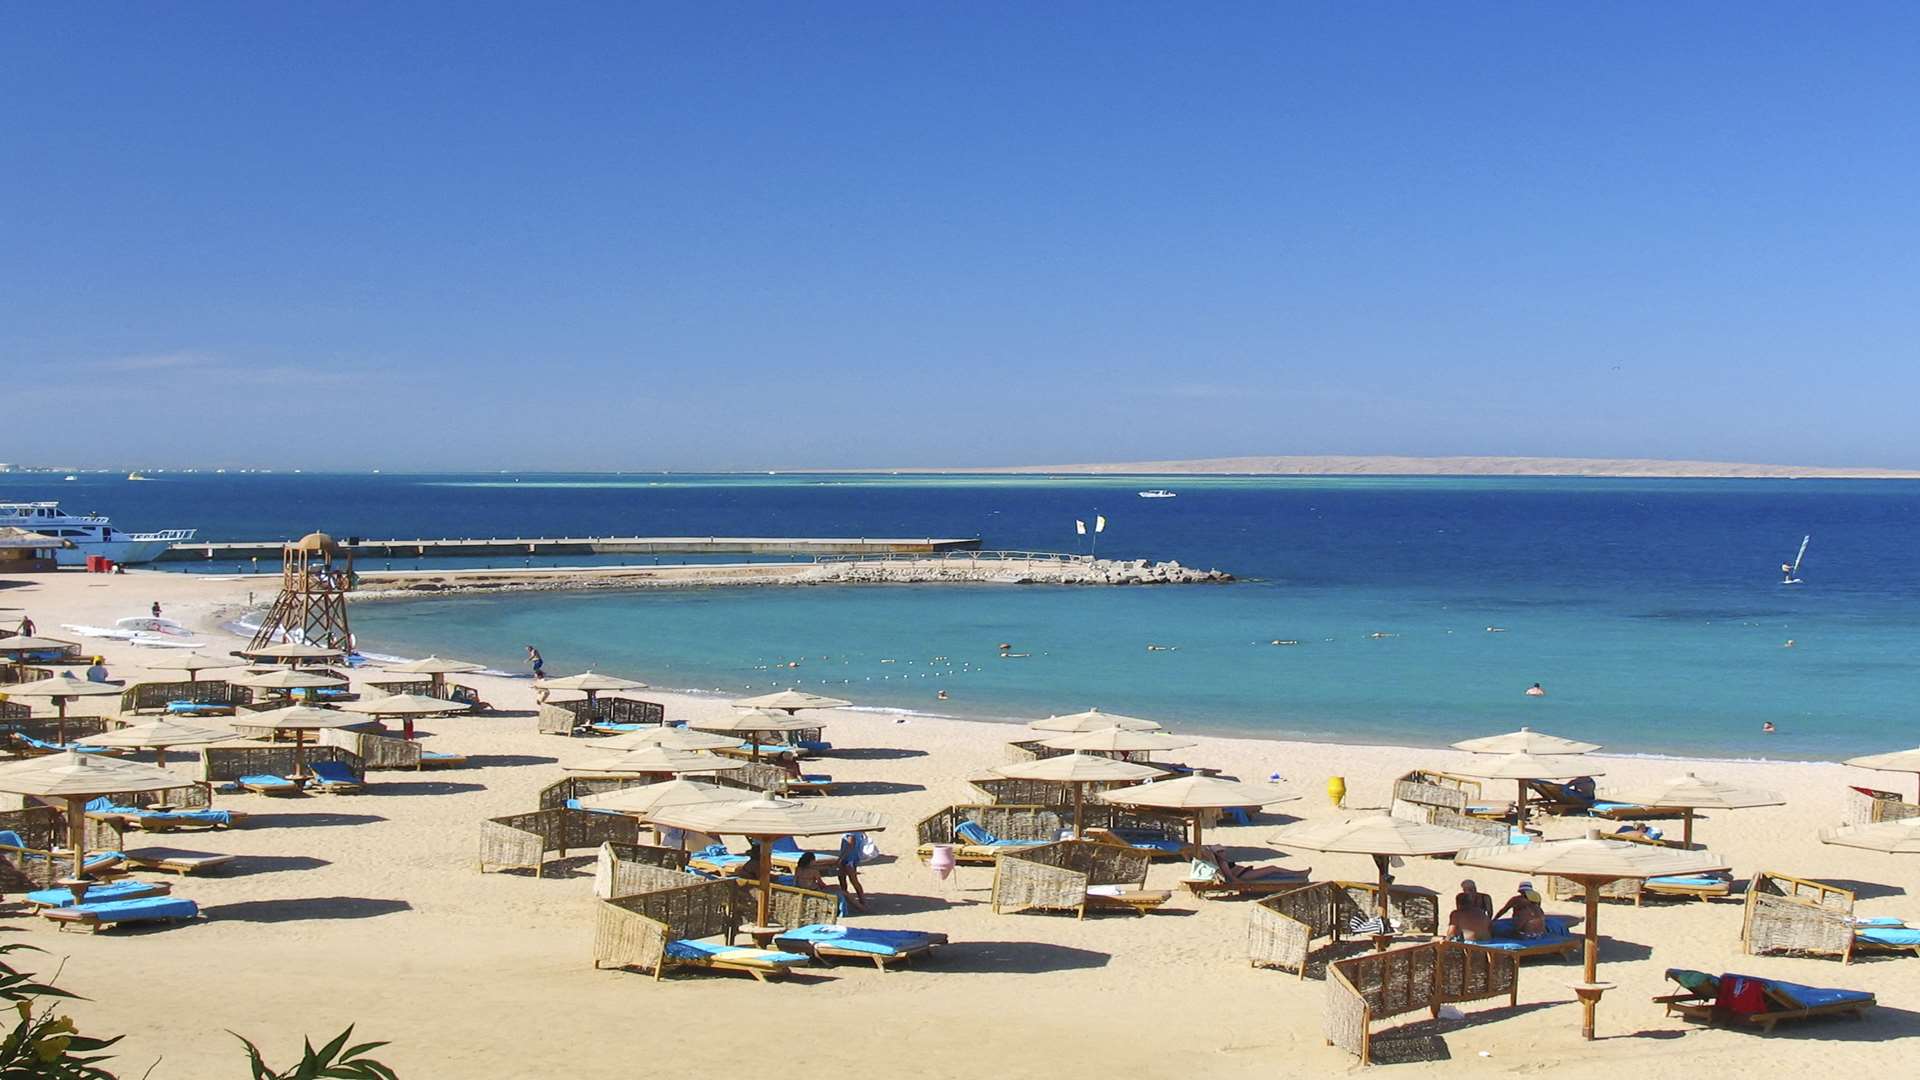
(1741, 995)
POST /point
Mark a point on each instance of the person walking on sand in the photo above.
(26, 626)
(533, 657)
(156, 609)
(852, 850)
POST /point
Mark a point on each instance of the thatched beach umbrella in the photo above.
(1898, 837)
(61, 689)
(77, 778)
(755, 723)
(436, 669)
(765, 820)
(1689, 793)
(405, 706)
(1526, 741)
(1093, 720)
(641, 802)
(294, 653)
(1522, 767)
(194, 663)
(1382, 837)
(657, 760)
(1896, 761)
(299, 719)
(672, 738)
(1195, 793)
(1592, 862)
(20, 649)
(1079, 770)
(592, 684)
(1115, 740)
(157, 735)
(791, 701)
(284, 681)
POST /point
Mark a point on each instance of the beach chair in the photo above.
(1155, 846)
(1215, 874)
(974, 843)
(267, 784)
(1558, 940)
(1125, 898)
(1691, 886)
(435, 759)
(825, 943)
(101, 865)
(96, 917)
(104, 809)
(174, 860)
(1885, 934)
(762, 964)
(807, 784)
(1749, 1001)
(334, 778)
(199, 708)
(97, 894)
(28, 746)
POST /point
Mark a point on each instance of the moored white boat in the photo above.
(90, 534)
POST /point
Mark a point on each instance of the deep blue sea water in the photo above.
(1650, 609)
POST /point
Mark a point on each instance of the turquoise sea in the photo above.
(1651, 610)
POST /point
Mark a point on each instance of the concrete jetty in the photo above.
(519, 546)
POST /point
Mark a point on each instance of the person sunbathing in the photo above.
(1529, 918)
(1235, 871)
(1469, 921)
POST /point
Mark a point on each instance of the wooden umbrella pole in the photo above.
(1520, 803)
(159, 757)
(1686, 831)
(77, 836)
(1384, 909)
(60, 704)
(766, 877)
(1079, 798)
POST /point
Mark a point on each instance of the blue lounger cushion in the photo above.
(974, 833)
(1902, 936)
(1813, 997)
(1613, 807)
(152, 907)
(1147, 842)
(815, 778)
(9, 838)
(97, 894)
(55, 747)
(1239, 815)
(1686, 881)
(860, 939)
(264, 780)
(1878, 920)
(608, 725)
(192, 708)
(814, 745)
(105, 805)
(436, 755)
(713, 950)
(332, 772)
(1504, 941)
(574, 804)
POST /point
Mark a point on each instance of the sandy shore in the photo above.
(369, 910)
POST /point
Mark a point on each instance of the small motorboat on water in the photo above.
(1156, 493)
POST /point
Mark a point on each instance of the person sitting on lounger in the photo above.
(1529, 918)
(1581, 787)
(1233, 871)
(750, 870)
(1470, 921)
(807, 876)
(788, 762)
(1471, 896)
(1639, 830)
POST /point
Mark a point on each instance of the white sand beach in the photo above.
(369, 910)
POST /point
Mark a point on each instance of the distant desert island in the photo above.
(1388, 465)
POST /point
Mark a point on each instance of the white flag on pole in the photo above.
(1099, 524)
(1079, 527)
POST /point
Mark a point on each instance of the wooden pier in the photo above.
(499, 547)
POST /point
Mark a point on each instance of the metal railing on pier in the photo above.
(956, 556)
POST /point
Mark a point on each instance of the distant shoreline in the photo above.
(1389, 465)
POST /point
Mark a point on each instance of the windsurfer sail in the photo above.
(1790, 572)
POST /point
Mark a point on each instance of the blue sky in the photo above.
(751, 236)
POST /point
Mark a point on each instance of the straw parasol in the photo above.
(1898, 837)
(1382, 837)
(672, 738)
(1194, 793)
(406, 707)
(1521, 767)
(1115, 740)
(19, 647)
(436, 669)
(157, 735)
(756, 723)
(591, 683)
(1078, 769)
(77, 778)
(63, 688)
(286, 679)
(1093, 720)
(1592, 862)
(195, 663)
(765, 820)
(657, 759)
(1526, 741)
(1897, 761)
(791, 701)
(299, 719)
(645, 799)
(1689, 793)
(293, 652)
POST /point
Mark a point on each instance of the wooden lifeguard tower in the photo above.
(315, 577)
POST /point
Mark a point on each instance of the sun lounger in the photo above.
(977, 844)
(1214, 873)
(33, 747)
(104, 809)
(264, 784)
(123, 912)
(334, 778)
(1729, 999)
(1125, 898)
(434, 759)
(808, 784)
(718, 861)
(882, 947)
(1557, 940)
(97, 894)
(175, 860)
(1881, 934)
(1699, 887)
(198, 708)
(762, 964)
(1156, 846)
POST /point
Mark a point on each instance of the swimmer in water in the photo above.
(1536, 690)
(1496, 629)
(942, 695)
(1788, 645)
(1767, 727)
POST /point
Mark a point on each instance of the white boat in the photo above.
(1156, 493)
(91, 534)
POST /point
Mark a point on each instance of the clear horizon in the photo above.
(616, 238)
